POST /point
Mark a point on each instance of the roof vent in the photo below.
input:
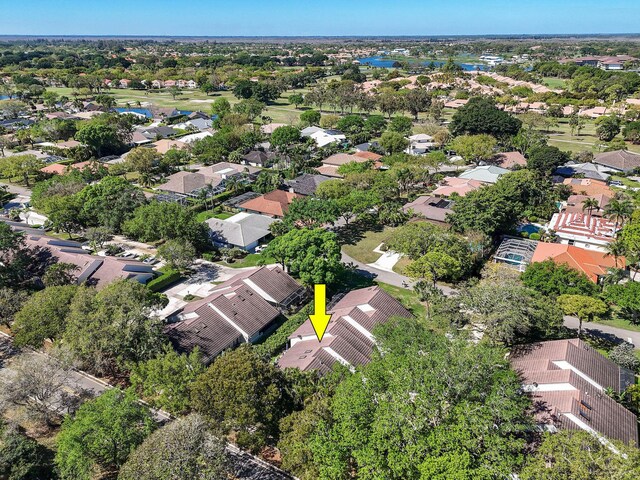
(302, 356)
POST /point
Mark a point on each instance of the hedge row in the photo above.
(277, 341)
(168, 277)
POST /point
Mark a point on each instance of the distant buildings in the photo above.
(604, 62)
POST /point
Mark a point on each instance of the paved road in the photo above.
(18, 190)
(391, 278)
(607, 332)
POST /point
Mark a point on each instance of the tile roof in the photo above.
(461, 186)
(275, 203)
(339, 159)
(567, 379)
(582, 226)
(92, 269)
(619, 159)
(348, 338)
(241, 230)
(509, 160)
(188, 182)
(306, 184)
(588, 186)
(368, 156)
(485, 173)
(235, 311)
(430, 207)
(590, 262)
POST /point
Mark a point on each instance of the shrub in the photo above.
(624, 356)
(277, 342)
(535, 236)
(168, 277)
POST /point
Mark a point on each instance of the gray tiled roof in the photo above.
(574, 376)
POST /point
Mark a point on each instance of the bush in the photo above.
(624, 356)
(535, 236)
(168, 277)
(277, 342)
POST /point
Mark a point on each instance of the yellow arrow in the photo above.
(320, 319)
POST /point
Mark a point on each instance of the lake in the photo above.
(383, 62)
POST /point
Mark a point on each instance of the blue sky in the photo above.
(323, 17)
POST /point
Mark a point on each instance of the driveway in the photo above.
(199, 283)
(385, 276)
(606, 332)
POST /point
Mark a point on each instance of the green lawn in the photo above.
(560, 136)
(407, 297)
(552, 82)
(363, 249)
(280, 111)
(620, 323)
(626, 181)
(206, 215)
(251, 260)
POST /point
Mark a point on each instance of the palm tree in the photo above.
(589, 204)
(618, 211)
(615, 249)
(232, 184)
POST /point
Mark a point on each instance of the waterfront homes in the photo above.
(348, 338)
(243, 309)
(568, 382)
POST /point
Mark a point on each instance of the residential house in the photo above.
(420, 144)
(457, 103)
(154, 133)
(510, 160)
(430, 207)
(164, 145)
(243, 309)
(484, 173)
(61, 169)
(194, 137)
(259, 158)
(273, 204)
(568, 382)
(583, 230)
(619, 160)
(588, 186)
(189, 184)
(461, 186)
(269, 128)
(364, 147)
(306, 184)
(324, 137)
(594, 264)
(331, 164)
(584, 170)
(92, 269)
(243, 230)
(213, 178)
(348, 338)
(575, 204)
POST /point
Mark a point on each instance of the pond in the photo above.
(142, 111)
(384, 62)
